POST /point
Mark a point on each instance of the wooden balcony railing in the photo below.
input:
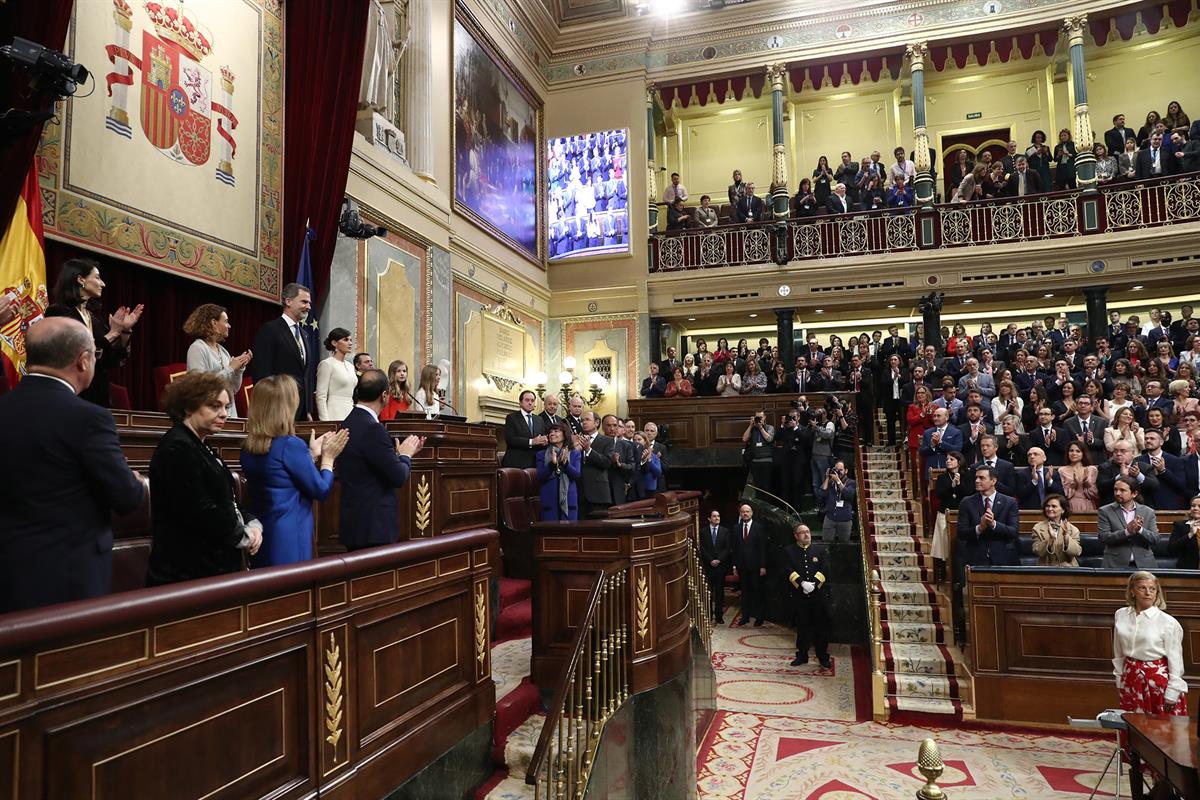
(1127, 205)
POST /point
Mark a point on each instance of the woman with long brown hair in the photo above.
(427, 396)
(399, 398)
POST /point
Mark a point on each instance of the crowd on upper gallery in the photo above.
(1163, 146)
(55, 531)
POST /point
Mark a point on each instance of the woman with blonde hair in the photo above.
(1055, 540)
(209, 326)
(282, 478)
(399, 399)
(427, 396)
(1148, 651)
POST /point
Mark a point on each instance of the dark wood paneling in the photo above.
(1042, 639)
(715, 421)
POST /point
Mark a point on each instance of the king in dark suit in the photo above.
(524, 434)
(371, 468)
(715, 555)
(988, 525)
(67, 475)
(283, 346)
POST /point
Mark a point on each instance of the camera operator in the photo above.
(791, 458)
(837, 500)
(845, 425)
(757, 439)
(824, 432)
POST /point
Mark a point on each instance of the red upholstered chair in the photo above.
(118, 397)
(533, 494)
(164, 375)
(242, 401)
(512, 486)
(131, 545)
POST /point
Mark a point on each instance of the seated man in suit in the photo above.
(1127, 529)
(624, 456)
(1040, 482)
(58, 498)
(283, 346)
(988, 525)
(828, 379)
(595, 492)
(1185, 538)
(371, 468)
(750, 207)
(524, 434)
(939, 440)
(1170, 493)
(716, 554)
(1123, 465)
(1087, 428)
(1006, 476)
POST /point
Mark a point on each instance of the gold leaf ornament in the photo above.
(643, 609)
(480, 624)
(424, 505)
(333, 694)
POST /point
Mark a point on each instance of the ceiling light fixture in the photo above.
(968, 301)
(891, 305)
(752, 316)
(819, 311)
(1138, 288)
(691, 319)
(1048, 294)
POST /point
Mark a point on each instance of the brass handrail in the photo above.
(870, 586)
(592, 685)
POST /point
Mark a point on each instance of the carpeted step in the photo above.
(917, 659)
(508, 788)
(914, 632)
(896, 543)
(512, 711)
(900, 558)
(904, 574)
(515, 622)
(907, 593)
(518, 751)
(513, 591)
(926, 687)
(900, 612)
(923, 710)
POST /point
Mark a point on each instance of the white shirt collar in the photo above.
(991, 496)
(291, 323)
(53, 378)
(374, 414)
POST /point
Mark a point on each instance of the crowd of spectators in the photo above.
(1163, 146)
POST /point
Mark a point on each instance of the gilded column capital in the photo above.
(775, 74)
(1073, 27)
(916, 53)
(651, 94)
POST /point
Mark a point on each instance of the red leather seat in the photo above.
(131, 545)
(242, 401)
(512, 488)
(533, 494)
(118, 397)
(164, 375)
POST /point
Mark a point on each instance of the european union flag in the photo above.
(304, 277)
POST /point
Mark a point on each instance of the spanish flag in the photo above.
(23, 274)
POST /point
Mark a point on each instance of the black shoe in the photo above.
(799, 661)
(827, 664)
(760, 623)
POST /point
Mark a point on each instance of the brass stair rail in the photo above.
(593, 684)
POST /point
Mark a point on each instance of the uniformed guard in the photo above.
(807, 566)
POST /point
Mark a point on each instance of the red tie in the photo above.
(987, 504)
(745, 531)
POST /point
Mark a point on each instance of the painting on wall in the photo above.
(174, 159)
(497, 141)
(588, 195)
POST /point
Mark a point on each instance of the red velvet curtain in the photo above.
(44, 22)
(325, 43)
(159, 338)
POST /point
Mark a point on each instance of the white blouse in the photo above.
(1149, 636)
(336, 380)
(432, 406)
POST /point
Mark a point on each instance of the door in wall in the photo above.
(993, 141)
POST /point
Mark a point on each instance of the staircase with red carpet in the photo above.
(518, 705)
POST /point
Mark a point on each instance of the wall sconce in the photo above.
(567, 384)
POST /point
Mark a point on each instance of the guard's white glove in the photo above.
(807, 586)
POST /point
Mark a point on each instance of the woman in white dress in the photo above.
(336, 378)
(427, 396)
(210, 325)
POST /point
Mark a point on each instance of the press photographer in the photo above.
(757, 439)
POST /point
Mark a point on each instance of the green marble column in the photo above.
(777, 74)
(923, 189)
(1085, 160)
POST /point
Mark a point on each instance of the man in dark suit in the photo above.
(828, 379)
(663, 453)
(653, 385)
(1169, 471)
(666, 367)
(66, 475)
(284, 346)
(624, 456)
(549, 414)
(750, 561)
(715, 555)
(807, 569)
(371, 468)
(894, 344)
(837, 203)
(1114, 137)
(973, 431)
(939, 440)
(1156, 160)
(988, 525)
(750, 207)
(1006, 475)
(1039, 482)
(1024, 181)
(1185, 538)
(1052, 440)
(595, 491)
(575, 414)
(1123, 465)
(892, 384)
(1087, 428)
(524, 434)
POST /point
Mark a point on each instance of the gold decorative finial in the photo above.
(929, 764)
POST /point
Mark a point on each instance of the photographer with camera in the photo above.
(836, 499)
(824, 433)
(793, 449)
(757, 439)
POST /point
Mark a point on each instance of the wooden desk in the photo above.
(1168, 745)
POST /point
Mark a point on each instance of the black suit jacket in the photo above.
(275, 353)
(750, 209)
(623, 476)
(722, 551)
(1056, 451)
(194, 512)
(1107, 474)
(112, 355)
(995, 547)
(520, 453)
(749, 555)
(369, 472)
(1114, 140)
(1033, 184)
(1027, 489)
(836, 205)
(1184, 547)
(1166, 161)
(66, 475)
(597, 462)
(547, 422)
(1006, 475)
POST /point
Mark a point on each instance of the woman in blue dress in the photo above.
(282, 478)
(558, 471)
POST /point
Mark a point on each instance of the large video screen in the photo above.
(588, 197)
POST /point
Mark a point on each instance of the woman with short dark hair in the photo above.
(336, 378)
(1055, 540)
(209, 326)
(559, 467)
(76, 294)
(198, 529)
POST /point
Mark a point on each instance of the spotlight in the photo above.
(351, 223)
